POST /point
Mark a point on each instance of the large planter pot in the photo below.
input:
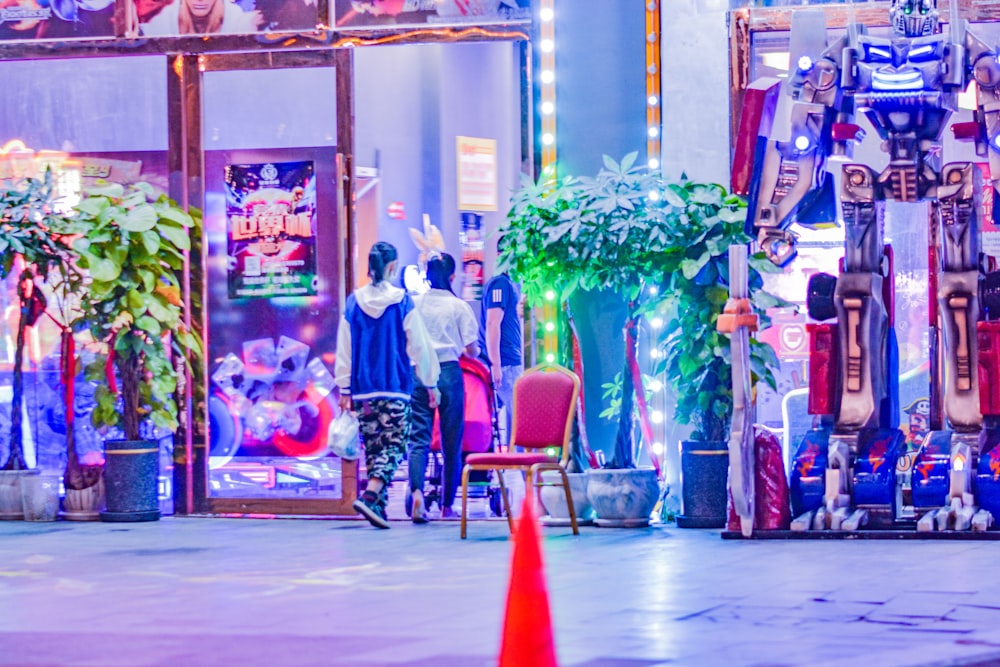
(554, 499)
(40, 497)
(11, 503)
(704, 476)
(623, 497)
(131, 480)
(84, 504)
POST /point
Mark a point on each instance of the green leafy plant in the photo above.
(32, 246)
(705, 221)
(624, 230)
(132, 244)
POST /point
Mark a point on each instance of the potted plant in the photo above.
(132, 244)
(615, 246)
(696, 357)
(32, 246)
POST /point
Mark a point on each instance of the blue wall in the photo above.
(411, 102)
(600, 81)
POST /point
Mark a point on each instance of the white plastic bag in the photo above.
(342, 437)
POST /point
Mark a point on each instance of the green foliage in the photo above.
(132, 243)
(33, 230)
(587, 233)
(626, 229)
(696, 361)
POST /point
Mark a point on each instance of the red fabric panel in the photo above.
(543, 401)
(509, 459)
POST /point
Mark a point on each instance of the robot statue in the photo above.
(848, 472)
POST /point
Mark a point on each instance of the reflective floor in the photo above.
(200, 591)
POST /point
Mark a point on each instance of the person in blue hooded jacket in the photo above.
(381, 344)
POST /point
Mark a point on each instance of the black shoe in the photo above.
(368, 507)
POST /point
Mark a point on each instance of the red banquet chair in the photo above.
(544, 406)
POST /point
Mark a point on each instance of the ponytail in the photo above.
(379, 257)
(440, 269)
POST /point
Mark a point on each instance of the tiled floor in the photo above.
(203, 592)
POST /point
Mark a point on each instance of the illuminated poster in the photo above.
(378, 13)
(271, 229)
(56, 19)
(159, 18)
(477, 174)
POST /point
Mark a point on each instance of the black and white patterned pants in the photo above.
(384, 424)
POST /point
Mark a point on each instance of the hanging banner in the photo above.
(56, 19)
(271, 229)
(166, 18)
(382, 13)
(476, 168)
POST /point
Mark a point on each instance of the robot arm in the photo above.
(984, 67)
(790, 182)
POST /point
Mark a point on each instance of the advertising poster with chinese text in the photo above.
(271, 229)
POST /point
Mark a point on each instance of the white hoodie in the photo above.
(373, 300)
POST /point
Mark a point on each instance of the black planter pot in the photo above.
(131, 479)
(704, 477)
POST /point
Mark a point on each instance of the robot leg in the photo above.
(959, 194)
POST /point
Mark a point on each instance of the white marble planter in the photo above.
(554, 500)
(623, 497)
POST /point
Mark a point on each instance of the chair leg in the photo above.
(506, 501)
(569, 501)
(465, 497)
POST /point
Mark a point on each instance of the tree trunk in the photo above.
(624, 457)
(16, 461)
(128, 367)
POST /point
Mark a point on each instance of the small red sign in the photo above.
(396, 210)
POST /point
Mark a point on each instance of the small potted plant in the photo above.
(132, 243)
(616, 247)
(32, 248)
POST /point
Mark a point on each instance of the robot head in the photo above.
(914, 18)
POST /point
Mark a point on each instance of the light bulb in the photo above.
(548, 76)
(548, 108)
(547, 45)
(546, 14)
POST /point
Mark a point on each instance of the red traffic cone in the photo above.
(527, 628)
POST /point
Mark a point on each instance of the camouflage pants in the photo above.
(384, 424)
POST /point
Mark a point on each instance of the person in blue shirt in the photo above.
(381, 344)
(500, 337)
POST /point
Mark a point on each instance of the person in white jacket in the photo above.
(454, 331)
(381, 344)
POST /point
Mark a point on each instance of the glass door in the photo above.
(273, 280)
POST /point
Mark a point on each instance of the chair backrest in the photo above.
(544, 406)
